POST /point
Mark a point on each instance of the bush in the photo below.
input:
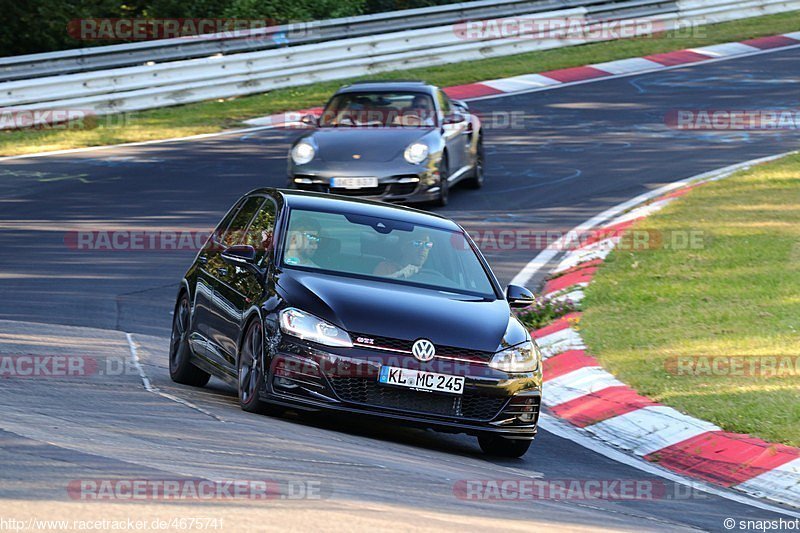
(544, 311)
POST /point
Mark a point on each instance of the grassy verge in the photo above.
(212, 116)
(735, 293)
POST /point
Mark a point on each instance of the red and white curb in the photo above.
(567, 76)
(579, 391)
(622, 67)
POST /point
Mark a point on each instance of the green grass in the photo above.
(213, 116)
(737, 294)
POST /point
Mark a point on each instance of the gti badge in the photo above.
(423, 350)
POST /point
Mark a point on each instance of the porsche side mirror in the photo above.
(519, 296)
(461, 104)
(310, 120)
(453, 118)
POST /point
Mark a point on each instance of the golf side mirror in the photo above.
(244, 257)
(519, 296)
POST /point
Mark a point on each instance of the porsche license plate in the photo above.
(417, 379)
(354, 183)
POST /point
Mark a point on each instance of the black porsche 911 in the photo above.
(392, 141)
(319, 302)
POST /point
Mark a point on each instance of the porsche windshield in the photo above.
(386, 250)
(381, 109)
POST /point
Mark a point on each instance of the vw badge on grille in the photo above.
(423, 350)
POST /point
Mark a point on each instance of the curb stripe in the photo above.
(521, 83)
(557, 325)
(612, 231)
(566, 75)
(560, 342)
(650, 429)
(567, 362)
(596, 251)
(767, 43)
(626, 66)
(678, 193)
(471, 90)
(680, 57)
(577, 277)
(580, 382)
(578, 267)
(781, 484)
(575, 296)
(601, 405)
(724, 50)
(724, 458)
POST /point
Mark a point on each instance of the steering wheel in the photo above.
(431, 274)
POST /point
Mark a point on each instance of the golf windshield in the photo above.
(386, 250)
(382, 109)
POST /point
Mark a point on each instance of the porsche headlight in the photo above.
(308, 327)
(416, 153)
(523, 357)
(303, 152)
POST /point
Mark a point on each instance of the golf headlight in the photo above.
(303, 152)
(308, 327)
(416, 153)
(523, 357)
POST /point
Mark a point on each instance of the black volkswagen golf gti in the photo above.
(316, 302)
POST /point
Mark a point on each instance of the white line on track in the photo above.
(138, 143)
(150, 388)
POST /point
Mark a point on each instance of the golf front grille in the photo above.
(371, 393)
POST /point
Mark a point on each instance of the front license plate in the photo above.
(354, 183)
(417, 379)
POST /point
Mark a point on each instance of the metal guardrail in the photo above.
(163, 50)
(177, 82)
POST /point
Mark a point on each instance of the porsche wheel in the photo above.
(476, 181)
